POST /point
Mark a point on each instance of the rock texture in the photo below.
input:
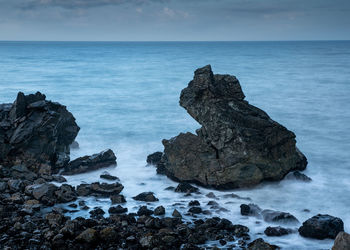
(342, 241)
(34, 131)
(238, 145)
(322, 226)
(89, 163)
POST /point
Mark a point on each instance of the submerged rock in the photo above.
(35, 131)
(89, 163)
(154, 158)
(99, 189)
(277, 231)
(322, 226)
(260, 244)
(238, 144)
(145, 196)
(185, 187)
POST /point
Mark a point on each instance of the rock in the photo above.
(89, 163)
(54, 219)
(160, 210)
(194, 203)
(65, 193)
(15, 185)
(277, 231)
(59, 178)
(35, 131)
(185, 187)
(154, 158)
(109, 177)
(276, 216)
(260, 244)
(250, 210)
(322, 226)
(108, 234)
(88, 236)
(117, 210)
(118, 199)
(298, 176)
(238, 144)
(342, 241)
(74, 145)
(145, 196)
(195, 210)
(211, 195)
(96, 212)
(143, 210)
(176, 214)
(42, 190)
(99, 189)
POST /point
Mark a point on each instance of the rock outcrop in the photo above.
(36, 132)
(89, 163)
(322, 226)
(238, 145)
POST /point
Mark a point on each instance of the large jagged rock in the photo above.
(89, 163)
(35, 131)
(238, 145)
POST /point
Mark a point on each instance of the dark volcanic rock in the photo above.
(238, 144)
(99, 189)
(322, 226)
(143, 210)
(160, 210)
(277, 231)
(35, 131)
(154, 158)
(89, 163)
(250, 210)
(299, 176)
(109, 177)
(118, 199)
(277, 216)
(185, 187)
(260, 244)
(117, 210)
(342, 241)
(145, 196)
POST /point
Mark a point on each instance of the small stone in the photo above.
(117, 210)
(145, 196)
(160, 210)
(176, 214)
(195, 210)
(194, 203)
(89, 236)
(143, 210)
(185, 187)
(115, 199)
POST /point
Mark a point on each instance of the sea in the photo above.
(125, 96)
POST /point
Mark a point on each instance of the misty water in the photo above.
(125, 97)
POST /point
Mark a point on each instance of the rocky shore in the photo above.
(237, 146)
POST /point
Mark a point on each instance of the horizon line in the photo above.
(144, 41)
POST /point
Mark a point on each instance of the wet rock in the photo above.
(211, 195)
(277, 231)
(195, 210)
(115, 199)
(108, 234)
(97, 213)
(176, 214)
(99, 189)
(250, 210)
(322, 226)
(238, 144)
(88, 236)
(44, 190)
(89, 163)
(74, 145)
(15, 185)
(185, 187)
(260, 244)
(342, 241)
(154, 158)
(35, 131)
(235, 196)
(54, 219)
(66, 193)
(109, 177)
(23, 173)
(276, 216)
(145, 196)
(296, 175)
(59, 178)
(160, 210)
(117, 210)
(194, 203)
(143, 210)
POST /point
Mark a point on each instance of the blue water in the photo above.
(125, 96)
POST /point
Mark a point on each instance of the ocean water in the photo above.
(125, 96)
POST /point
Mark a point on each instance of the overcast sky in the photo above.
(174, 20)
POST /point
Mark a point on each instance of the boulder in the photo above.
(145, 196)
(238, 145)
(154, 159)
(260, 244)
(321, 226)
(90, 163)
(99, 189)
(250, 210)
(87, 236)
(119, 198)
(117, 210)
(277, 216)
(342, 241)
(277, 231)
(185, 187)
(160, 210)
(34, 131)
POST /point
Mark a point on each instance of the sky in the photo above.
(174, 20)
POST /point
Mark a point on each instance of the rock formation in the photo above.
(238, 145)
(36, 132)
